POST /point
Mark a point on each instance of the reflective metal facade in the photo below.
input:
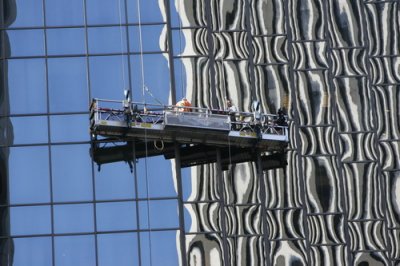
(333, 64)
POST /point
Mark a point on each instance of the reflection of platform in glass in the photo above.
(200, 126)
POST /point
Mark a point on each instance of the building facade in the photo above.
(334, 66)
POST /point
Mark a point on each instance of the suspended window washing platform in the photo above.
(156, 129)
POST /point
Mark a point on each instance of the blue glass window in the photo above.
(26, 42)
(27, 86)
(66, 41)
(64, 12)
(107, 40)
(30, 220)
(35, 125)
(179, 42)
(69, 128)
(29, 13)
(105, 11)
(158, 172)
(73, 218)
(116, 216)
(68, 84)
(72, 173)
(158, 85)
(150, 11)
(75, 250)
(108, 76)
(151, 36)
(35, 251)
(118, 249)
(163, 214)
(145, 247)
(174, 12)
(114, 181)
(163, 252)
(29, 175)
(180, 77)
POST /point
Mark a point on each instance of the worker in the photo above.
(184, 105)
(127, 111)
(146, 115)
(256, 108)
(280, 121)
(232, 110)
(230, 107)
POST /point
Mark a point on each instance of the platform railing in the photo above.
(113, 110)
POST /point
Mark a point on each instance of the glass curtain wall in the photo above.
(333, 65)
(57, 209)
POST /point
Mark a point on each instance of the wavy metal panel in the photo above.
(334, 66)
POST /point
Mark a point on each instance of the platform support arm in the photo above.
(178, 174)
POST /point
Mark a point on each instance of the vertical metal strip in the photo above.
(250, 59)
(9, 243)
(170, 52)
(375, 123)
(211, 59)
(87, 52)
(263, 198)
(221, 191)
(336, 134)
(89, 101)
(48, 134)
(135, 179)
(127, 48)
(180, 203)
(7, 224)
(296, 123)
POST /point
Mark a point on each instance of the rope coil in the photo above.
(157, 147)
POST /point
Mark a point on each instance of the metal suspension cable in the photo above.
(152, 96)
(122, 43)
(147, 196)
(222, 54)
(180, 44)
(143, 88)
(141, 50)
(230, 158)
(145, 132)
(225, 90)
